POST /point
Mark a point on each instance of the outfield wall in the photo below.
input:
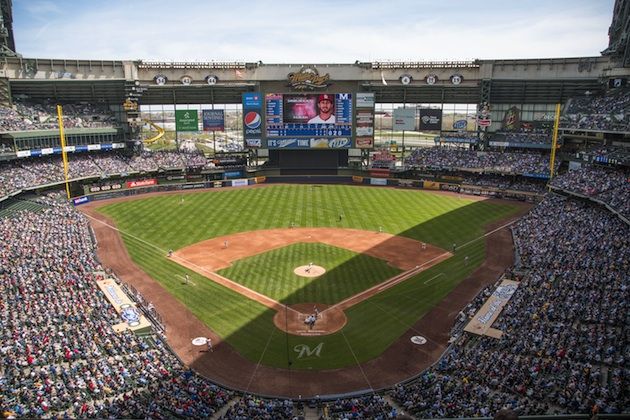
(151, 186)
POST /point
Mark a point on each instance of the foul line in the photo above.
(433, 278)
(367, 380)
(260, 359)
(412, 327)
(264, 300)
(387, 284)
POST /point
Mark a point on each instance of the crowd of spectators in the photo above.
(487, 161)
(607, 154)
(43, 116)
(252, 407)
(564, 347)
(365, 407)
(59, 353)
(531, 136)
(609, 112)
(25, 173)
(515, 183)
(609, 185)
(463, 138)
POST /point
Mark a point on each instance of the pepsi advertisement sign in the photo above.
(252, 116)
(252, 120)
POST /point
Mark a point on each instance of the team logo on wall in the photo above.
(252, 120)
(160, 79)
(186, 80)
(431, 79)
(130, 315)
(456, 79)
(512, 119)
(405, 79)
(308, 78)
(212, 80)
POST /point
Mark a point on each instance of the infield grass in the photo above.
(152, 225)
(271, 273)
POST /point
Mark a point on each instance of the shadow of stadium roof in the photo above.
(501, 91)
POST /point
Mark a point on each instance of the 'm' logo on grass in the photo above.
(304, 350)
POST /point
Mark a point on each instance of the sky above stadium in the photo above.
(316, 31)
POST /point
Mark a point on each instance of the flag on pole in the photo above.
(383, 78)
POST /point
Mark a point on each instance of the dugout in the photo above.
(308, 162)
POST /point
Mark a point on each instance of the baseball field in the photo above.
(242, 248)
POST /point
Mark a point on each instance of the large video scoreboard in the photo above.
(290, 115)
(308, 120)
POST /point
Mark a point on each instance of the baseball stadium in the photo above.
(383, 239)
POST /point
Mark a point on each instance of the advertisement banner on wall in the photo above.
(239, 183)
(253, 143)
(186, 120)
(379, 172)
(430, 119)
(430, 185)
(141, 183)
(378, 181)
(252, 117)
(406, 183)
(365, 100)
(94, 188)
(80, 200)
(364, 142)
(404, 119)
(319, 143)
(213, 120)
(365, 123)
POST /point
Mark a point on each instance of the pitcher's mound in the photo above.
(309, 270)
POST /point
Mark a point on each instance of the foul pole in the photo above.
(64, 155)
(554, 142)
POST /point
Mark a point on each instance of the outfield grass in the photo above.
(154, 224)
(271, 273)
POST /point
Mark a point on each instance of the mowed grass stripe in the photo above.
(373, 324)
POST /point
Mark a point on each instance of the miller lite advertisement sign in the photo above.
(252, 118)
